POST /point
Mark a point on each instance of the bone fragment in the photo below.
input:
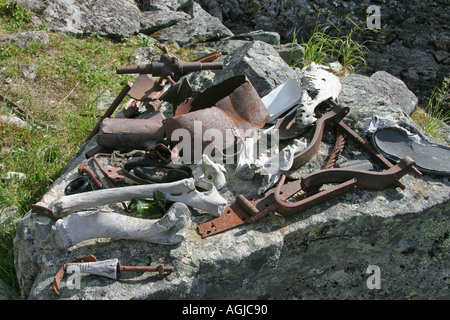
(245, 167)
(317, 85)
(87, 225)
(105, 268)
(178, 191)
(209, 174)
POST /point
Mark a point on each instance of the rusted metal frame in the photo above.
(348, 178)
(112, 175)
(248, 211)
(333, 116)
(275, 200)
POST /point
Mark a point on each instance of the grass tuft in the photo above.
(323, 48)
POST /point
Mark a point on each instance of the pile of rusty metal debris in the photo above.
(147, 148)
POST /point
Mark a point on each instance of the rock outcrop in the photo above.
(326, 252)
(412, 42)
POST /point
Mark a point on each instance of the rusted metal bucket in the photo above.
(232, 107)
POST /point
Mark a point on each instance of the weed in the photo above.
(323, 48)
(434, 116)
(15, 15)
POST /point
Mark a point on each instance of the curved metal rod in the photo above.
(348, 178)
(334, 115)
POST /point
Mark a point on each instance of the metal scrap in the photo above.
(233, 108)
(276, 199)
(110, 268)
(169, 67)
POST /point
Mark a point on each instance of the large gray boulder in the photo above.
(180, 21)
(75, 17)
(202, 27)
(326, 252)
(258, 60)
(412, 42)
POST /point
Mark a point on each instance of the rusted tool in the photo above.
(169, 67)
(61, 272)
(333, 116)
(83, 169)
(276, 199)
(108, 268)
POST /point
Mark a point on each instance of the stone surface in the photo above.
(323, 253)
(409, 44)
(259, 61)
(200, 28)
(24, 39)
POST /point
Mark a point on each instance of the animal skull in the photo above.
(317, 85)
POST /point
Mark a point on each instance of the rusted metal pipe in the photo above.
(109, 112)
(169, 67)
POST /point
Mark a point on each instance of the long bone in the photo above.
(180, 191)
(85, 225)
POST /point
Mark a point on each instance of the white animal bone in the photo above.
(271, 168)
(105, 268)
(317, 85)
(209, 174)
(245, 167)
(179, 191)
(85, 225)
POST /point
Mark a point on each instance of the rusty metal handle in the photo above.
(141, 69)
(83, 168)
(348, 179)
(157, 68)
(335, 115)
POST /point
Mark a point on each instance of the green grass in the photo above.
(433, 118)
(323, 48)
(59, 105)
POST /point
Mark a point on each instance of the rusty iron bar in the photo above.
(109, 112)
(83, 169)
(161, 269)
(169, 67)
